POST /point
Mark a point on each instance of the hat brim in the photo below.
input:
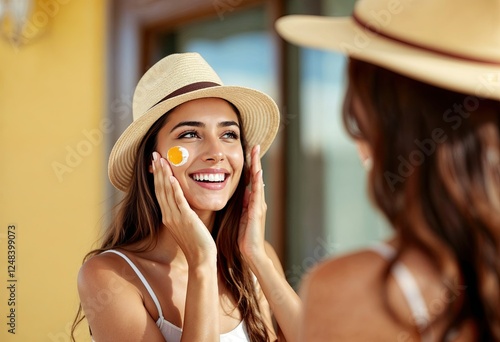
(343, 35)
(259, 115)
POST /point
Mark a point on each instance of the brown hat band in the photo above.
(370, 28)
(187, 89)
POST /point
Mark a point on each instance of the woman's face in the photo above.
(209, 130)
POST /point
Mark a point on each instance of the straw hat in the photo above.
(453, 44)
(174, 80)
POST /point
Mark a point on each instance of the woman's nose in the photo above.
(215, 157)
(214, 152)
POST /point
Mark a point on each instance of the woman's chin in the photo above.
(209, 206)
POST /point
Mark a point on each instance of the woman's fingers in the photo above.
(256, 164)
(254, 196)
(159, 182)
(169, 190)
(257, 176)
(163, 187)
(181, 221)
(252, 224)
(178, 195)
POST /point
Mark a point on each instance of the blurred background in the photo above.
(68, 69)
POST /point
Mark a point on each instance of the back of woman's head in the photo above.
(436, 177)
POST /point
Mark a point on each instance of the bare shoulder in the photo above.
(100, 272)
(343, 280)
(343, 299)
(112, 304)
(341, 271)
(102, 282)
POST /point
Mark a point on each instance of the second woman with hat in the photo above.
(423, 100)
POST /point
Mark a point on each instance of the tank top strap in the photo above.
(141, 277)
(408, 285)
(384, 250)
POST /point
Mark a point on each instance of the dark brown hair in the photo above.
(139, 219)
(436, 177)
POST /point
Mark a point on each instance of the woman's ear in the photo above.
(368, 164)
(150, 167)
(365, 153)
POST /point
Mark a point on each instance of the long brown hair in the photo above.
(139, 219)
(436, 172)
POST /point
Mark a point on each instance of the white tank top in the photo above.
(171, 332)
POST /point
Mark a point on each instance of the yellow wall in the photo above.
(52, 93)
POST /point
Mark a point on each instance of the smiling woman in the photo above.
(186, 252)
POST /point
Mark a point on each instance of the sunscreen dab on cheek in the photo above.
(177, 155)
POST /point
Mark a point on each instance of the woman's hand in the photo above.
(183, 223)
(253, 219)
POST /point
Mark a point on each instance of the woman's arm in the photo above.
(201, 318)
(284, 303)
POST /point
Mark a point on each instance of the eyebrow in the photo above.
(201, 124)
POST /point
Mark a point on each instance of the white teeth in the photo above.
(209, 177)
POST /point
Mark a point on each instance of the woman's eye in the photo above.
(188, 135)
(230, 135)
